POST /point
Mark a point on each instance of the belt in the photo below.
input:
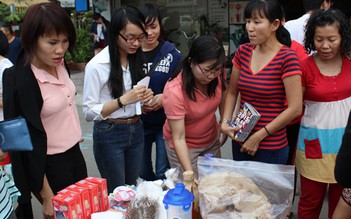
(129, 121)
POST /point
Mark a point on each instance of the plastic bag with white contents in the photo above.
(244, 189)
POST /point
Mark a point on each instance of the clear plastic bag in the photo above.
(244, 189)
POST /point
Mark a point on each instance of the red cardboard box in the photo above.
(94, 194)
(103, 194)
(67, 206)
(85, 199)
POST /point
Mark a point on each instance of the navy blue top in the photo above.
(14, 50)
(170, 57)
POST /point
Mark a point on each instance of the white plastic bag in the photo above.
(244, 189)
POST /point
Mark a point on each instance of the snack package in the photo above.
(103, 194)
(67, 206)
(85, 198)
(244, 189)
(94, 194)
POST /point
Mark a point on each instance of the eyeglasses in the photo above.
(208, 73)
(132, 40)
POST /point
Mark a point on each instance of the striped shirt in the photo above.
(265, 90)
(8, 194)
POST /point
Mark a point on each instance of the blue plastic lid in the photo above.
(179, 196)
(209, 155)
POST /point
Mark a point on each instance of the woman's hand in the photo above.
(139, 93)
(46, 195)
(48, 209)
(154, 104)
(228, 130)
(250, 146)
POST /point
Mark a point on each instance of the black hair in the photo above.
(4, 44)
(272, 10)
(204, 48)
(311, 5)
(45, 19)
(322, 18)
(119, 20)
(151, 13)
(96, 16)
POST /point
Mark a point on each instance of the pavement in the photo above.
(87, 150)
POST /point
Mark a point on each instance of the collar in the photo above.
(43, 77)
(103, 56)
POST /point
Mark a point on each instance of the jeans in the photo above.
(161, 165)
(118, 152)
(279, 156)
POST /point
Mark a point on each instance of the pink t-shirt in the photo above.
(59, 112)
(199, 117)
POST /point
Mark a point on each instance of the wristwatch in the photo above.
(120, 104)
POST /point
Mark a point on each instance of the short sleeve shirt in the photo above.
(199, 117)
(265, 90)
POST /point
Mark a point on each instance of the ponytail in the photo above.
(283, 36)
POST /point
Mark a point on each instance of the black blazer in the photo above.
(342, 165)
(22, 97)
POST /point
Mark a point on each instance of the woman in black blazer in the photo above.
(39, 89)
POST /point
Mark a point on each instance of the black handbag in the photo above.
(14, 135)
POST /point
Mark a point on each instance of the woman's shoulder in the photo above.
(174, 83)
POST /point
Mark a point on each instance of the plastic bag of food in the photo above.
(244, 189)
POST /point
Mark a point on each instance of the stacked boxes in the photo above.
(103, 194)
(80, 200)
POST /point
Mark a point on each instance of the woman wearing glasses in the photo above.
(109, 99)
(161, 59)
(265, 72)
(190, 100)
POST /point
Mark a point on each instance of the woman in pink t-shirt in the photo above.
(190, 99)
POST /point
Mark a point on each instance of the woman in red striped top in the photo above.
(265, 72)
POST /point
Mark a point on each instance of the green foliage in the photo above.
(4, 11)
(83, 50)
(5, 14)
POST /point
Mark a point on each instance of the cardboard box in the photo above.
(94, 194)
(85, 199)
(103, 193)
(67, 206)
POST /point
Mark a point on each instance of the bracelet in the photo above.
(225, 121)
(120, 104)
(267, 131)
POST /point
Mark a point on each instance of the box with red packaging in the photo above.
(85, 199)
(67, 206)
(94, 194)
(103, 194)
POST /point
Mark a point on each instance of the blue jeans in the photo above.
(118, 152)
(161, 164)
(279, 156)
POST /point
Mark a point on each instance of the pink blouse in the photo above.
(59, 113)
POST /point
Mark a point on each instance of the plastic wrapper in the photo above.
(244, 189)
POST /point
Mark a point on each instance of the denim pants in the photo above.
(118, 151)
(161, 164)
(279, 156)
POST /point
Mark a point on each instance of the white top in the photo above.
(4, 64)
(96, 91)
(99, 34)
(297, 27)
